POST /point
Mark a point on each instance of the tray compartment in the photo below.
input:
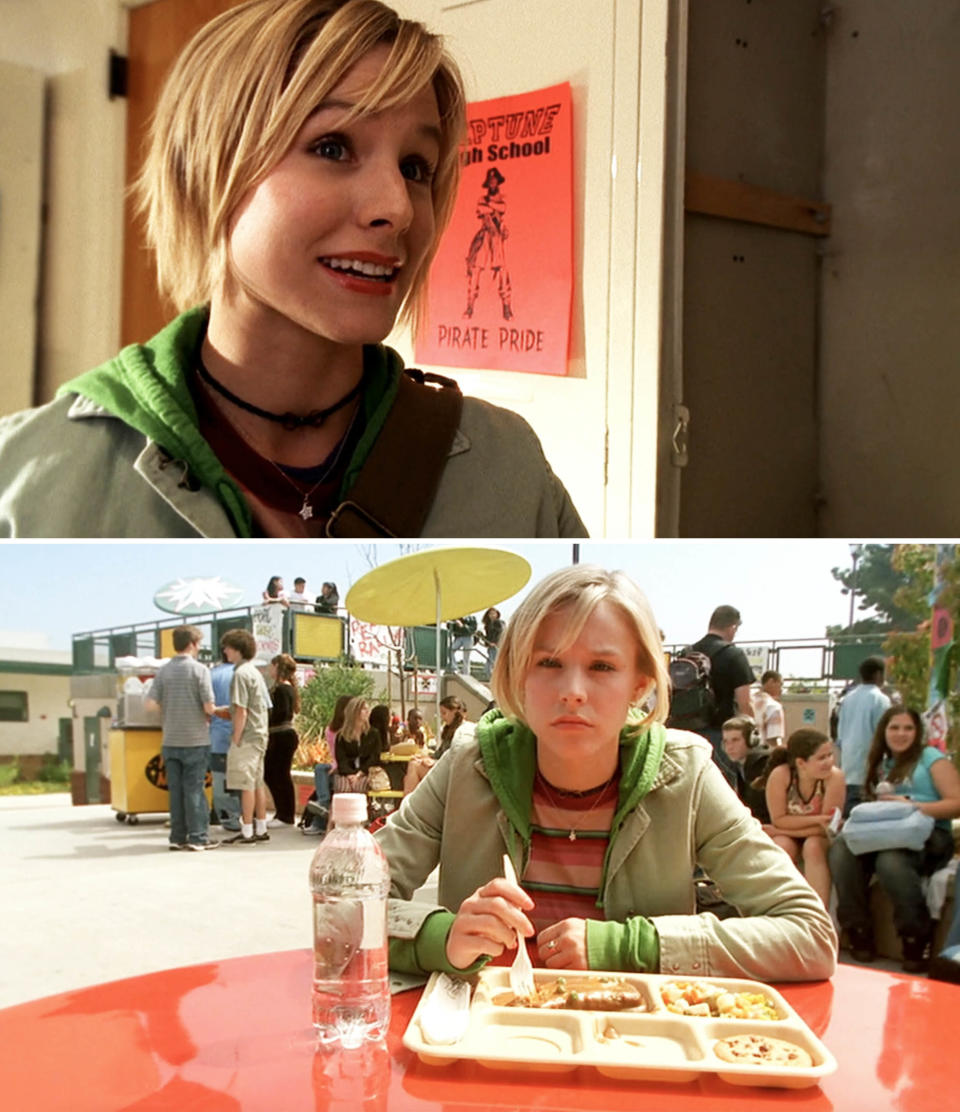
(512, 1037)
(785, 1076)
(733, 987)
(495, 982)
(661, 1048)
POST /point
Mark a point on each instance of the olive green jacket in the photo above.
(457, 819)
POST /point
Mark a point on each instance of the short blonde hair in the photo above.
(580, 589)
(234, 102)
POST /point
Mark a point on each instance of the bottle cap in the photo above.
(349, 807)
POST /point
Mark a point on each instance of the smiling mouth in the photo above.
(360, 268)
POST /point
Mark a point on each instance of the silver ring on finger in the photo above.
(552, 944)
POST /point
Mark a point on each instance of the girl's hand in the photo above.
(563, 945)
(487, 923)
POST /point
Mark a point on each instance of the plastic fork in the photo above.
(521, 971)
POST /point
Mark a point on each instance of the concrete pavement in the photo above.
(87, 899)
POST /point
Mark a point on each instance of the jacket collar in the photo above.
(509, 752)
(146, 387)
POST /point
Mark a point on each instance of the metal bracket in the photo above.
(116, 75)
(681, 423)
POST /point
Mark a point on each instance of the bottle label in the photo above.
(374, 925)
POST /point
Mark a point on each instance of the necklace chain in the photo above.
(601, 792)
(290, 421)
(306, 509)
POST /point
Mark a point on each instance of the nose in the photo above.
(572, 690)
(386, 201)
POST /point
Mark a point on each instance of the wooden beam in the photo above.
(753, 204)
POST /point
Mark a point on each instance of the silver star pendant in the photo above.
(306, 510)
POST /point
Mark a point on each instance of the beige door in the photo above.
(158, 31)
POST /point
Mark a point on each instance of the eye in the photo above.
(603, 666)
(548, 662)
(332, 147)
(417, 169)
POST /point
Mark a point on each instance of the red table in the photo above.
(236, 1035)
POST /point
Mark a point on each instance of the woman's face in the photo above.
(364, 715)
(446, 715)
(819, 763)
(273, 670)
(415, 718)
(900, 733)
(576, 701)
(332, 237)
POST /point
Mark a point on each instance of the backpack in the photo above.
(693, 702)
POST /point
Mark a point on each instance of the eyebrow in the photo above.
(429, 131)
(591, 652)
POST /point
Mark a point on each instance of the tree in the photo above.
(319, 695)
(877, 584)
(908, 651)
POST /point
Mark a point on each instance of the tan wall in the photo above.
(47, 702)
(21, 181)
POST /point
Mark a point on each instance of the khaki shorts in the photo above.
(245, 767)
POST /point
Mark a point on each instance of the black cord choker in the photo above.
(290, 421)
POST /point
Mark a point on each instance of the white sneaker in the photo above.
(274, 823)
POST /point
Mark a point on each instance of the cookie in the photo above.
(761, 1050)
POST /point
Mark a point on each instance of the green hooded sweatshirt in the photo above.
(146, 387)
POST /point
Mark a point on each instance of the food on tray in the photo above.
(696, 998)
(610, 1034)
(759, 1050)
(590, 994)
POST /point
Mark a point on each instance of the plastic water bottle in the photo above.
(350, 879)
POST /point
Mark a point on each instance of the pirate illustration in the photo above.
(487, 246)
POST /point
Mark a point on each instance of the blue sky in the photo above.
(51, 590)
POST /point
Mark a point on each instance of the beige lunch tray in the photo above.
(651, 1043)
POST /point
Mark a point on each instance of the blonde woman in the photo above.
(356, 748)
(604, 813)
(302, 163)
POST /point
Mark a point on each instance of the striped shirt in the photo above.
(563, 873)
(182, 687)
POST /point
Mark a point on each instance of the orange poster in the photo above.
(502, 281)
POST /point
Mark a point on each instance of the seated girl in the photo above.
(803, 789)
(901, 767)
(604, 813)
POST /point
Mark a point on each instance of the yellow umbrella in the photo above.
(436, 585)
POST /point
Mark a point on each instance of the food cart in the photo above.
(138, 782)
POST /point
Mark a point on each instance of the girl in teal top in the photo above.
(899, 767)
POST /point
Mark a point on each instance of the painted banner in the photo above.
(268, 630)
(501, 284)
(374, 644)
(941, 653)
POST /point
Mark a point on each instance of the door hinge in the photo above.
(679, 455)
(116, 75)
